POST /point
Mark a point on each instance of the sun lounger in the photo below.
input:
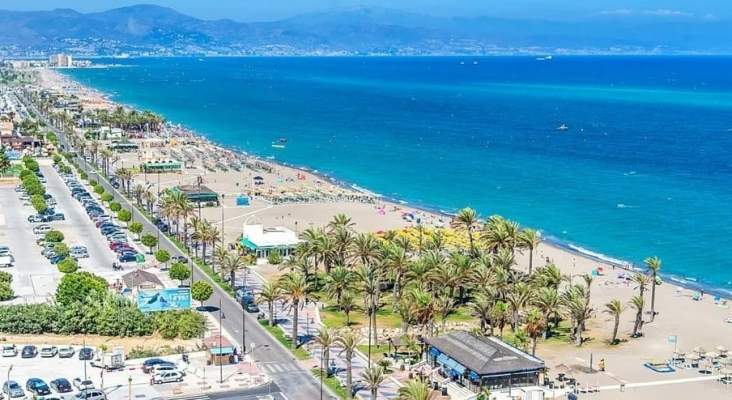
(717, 299)
(696, 297)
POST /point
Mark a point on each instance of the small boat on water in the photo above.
(283, 140)
(278, 146)
(563, 128)
(547, 58)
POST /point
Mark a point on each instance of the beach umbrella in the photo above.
(711, 354)
(725, 371)
(721, 349)
(699, 350)
(678, 351)
(562, 369)
(726, 361)
(693, 357)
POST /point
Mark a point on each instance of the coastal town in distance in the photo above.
(145, 260)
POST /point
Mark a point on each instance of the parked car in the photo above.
(82, 384)
(251, 308)
(49, 351)
(19, 188)
(57, 217)
(47, 196)
(90, 394)
(86, 353)
(29, 352)
(79, 253)
(13, 390)
(42, 229)
(179, 259)
(61, 385)
(37, 218)
(150, 363)
(24, 196)
(66, 352)
(117, 243)
(9, 350)
(167, 377)
(37, 386)
(57, 259)
(127, 258)
(166, 367)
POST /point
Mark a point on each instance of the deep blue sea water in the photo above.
(644, 169)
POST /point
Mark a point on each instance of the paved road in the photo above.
(298, 384)
(268, 392)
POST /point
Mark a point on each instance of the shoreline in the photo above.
(689, 282)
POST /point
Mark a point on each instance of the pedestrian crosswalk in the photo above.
(274, 368)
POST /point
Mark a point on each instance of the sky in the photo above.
(266, 10)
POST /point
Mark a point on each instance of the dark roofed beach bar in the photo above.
(476, 361)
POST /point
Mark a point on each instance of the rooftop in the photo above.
(484, 355)
(273, 237)
(139, 277)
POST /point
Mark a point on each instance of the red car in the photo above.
(114, 245)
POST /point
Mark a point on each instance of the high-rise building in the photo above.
(60, 60)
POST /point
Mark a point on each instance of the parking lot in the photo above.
(35, 278)
(49, 369)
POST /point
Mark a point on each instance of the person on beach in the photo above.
(602, 365)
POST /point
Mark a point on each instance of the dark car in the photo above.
(251, 307)
(49, 212)
(57, 217)
(180, 259)
(29, 352)
(86, 353)
(109, 230)
(57, 259)
(37, 386)
(106, 224)
(151, 363)
(47, 196)
(61, 385)
(127, 258)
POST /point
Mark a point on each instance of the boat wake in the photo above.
(631, 173)
(621, 205)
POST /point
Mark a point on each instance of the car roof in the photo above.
(29, 346)
(60, 380)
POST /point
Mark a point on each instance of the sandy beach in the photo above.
(694, 323)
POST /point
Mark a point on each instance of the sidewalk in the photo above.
(308, 324)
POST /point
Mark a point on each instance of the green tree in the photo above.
(98, 189)
(24, 173)
(66, 169)
(115, 206)
(57, 158)
(414, 390)
(32, 165)
(179, 272)
(136, 228)
(162, 256)
(654, 266)
(39, 204)
(54, 236)
(614, 308)
(61, 249)
(274, 257)
(67, 266)
(201, 291)
(124, 216)
(75, 287)
(6, 291)
(149, 240)
(107, 197)
(6, 277)
(5, 163)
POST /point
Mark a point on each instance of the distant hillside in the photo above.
(360, 29)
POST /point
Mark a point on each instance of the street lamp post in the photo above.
(221, 330)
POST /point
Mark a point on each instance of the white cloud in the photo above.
(711, 16)
(620, 11)
(667, 13)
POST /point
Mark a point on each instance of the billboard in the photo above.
(164, 299)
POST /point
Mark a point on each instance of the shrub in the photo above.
(93, 183)
(66, 169)
(61, 249)
(39, 204)
(201, 291)
(136, 228)
(78, 285)
(6, 277)
(106, 197)
(54, 236)
(6, 291)
(57, 158)
(83, 175)
(114, 206)
(67, 266)
(274, 257)
(124, 216)
(149, 240)
(179, 272)
(32, 165)
(25, 173)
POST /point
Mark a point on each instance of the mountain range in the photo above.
(360, 30)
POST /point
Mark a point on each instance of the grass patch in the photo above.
(14, 170)
(214, 276)
(332, 383)
(377, 352)
(278, 334)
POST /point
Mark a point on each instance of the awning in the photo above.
(458, 369)
(450, 364)
(221, 351)
(434, 351)
(474, 375)
(442, 359)
(246, 243)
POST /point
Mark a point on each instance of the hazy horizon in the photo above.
(279, 9)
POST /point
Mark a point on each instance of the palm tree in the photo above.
(5, 163)
(349, 341)
(348, 304)
(137, 192)
(325, 338)
(444, 305)
(373, 378)
(414, 390)
(482, 308)
(637, 303)
(654, 266)
(642, 281)
(366, 249)
(467, 221)
(580, 312)
(218, 256)
(529, 239)
(369, 286)
(547, 301)
(533, 327)
(396, 262)
(149, 198)
(232, 264)
(196, 225)
(338, 282)
(125, 176)
(340, 221)
(614, 308)
(295, 289)
(105, 154)
(270, 293)
(94, 150)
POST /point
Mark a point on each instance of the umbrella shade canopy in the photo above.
(725, 371)
(562, 369)
(726, 361)
(678, 351)
(258, 178)
(693, 357)
(721, 349)
(699, 350)
(711, 354)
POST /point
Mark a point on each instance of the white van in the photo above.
(6, 261)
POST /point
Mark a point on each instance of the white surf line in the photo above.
(659, 383)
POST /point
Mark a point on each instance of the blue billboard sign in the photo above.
(164, 299)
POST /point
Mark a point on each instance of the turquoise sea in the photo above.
(643, 170)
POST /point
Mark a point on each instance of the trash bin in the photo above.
(436, 385)
(444, 390)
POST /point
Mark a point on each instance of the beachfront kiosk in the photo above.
(198, 194)
(476, 361)
(261, 240)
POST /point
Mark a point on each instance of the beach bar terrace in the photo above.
(477, 361)
(161, 166)
(261, 241)
(198, 194)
